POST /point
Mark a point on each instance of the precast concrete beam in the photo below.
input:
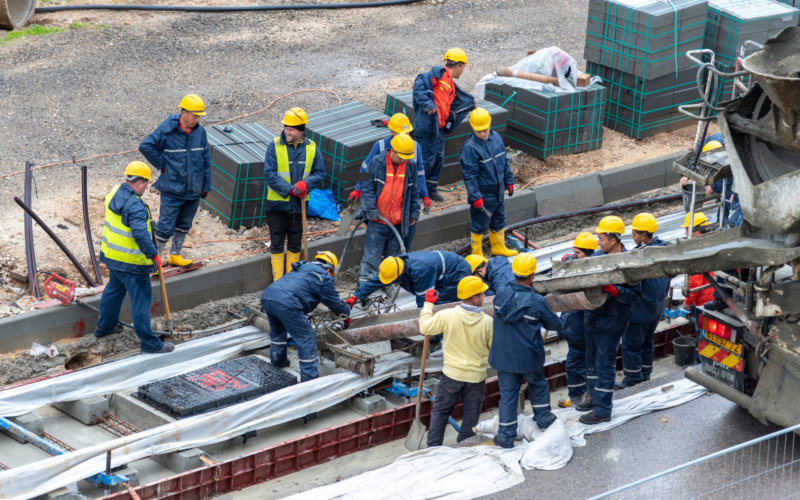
(30, 422)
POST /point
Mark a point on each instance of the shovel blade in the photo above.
(415, 435)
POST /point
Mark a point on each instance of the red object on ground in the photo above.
(59, 288)
(175, 270)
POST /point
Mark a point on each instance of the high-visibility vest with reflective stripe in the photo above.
(118, 242)
(282, 155)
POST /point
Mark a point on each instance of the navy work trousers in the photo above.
(637, 351)
(576, 367)
(433, 159)
(175, 215)
(601, 367)
(283, 319)
(538, 394)
(380, 242)
(447, 395)
(481, 220)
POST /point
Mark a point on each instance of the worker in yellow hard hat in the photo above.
(292, 168)
(179, 150)
(496, 272)
(439, 106)
(487, 175)
(130, 253)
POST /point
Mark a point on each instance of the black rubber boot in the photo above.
(592, 419)
(168, 347)
(715, 305)
(433, 195)
(502, 443)
(618, 386)
(585, 405)
(547, 422)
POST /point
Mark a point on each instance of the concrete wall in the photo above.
(254, 274)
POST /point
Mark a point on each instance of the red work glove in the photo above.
(157, 260)
(352, 300)
(510, 190)
(612, 290)
(431, 296)
(354, 196)
(347, 323)
(478, 203)
(427, 202)
(569, 257)
(299, 189)
(204, 194)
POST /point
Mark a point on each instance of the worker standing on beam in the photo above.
(179, 149)
(439, 106)
(638, 344)
(468, 332)
(391, 195)
(604, 328)
(487, 175)
(292, 168)
(130, 253)
(398, 124)
(518, 349)
(496, 272)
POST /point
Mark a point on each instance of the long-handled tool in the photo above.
(305, 228)
(521, 399)
(165, 302)
(417, 431)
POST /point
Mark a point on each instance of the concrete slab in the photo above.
(30, 422)
(59, 494)
(369, 405)
(181, 461)
(622, 182)
(137, 413)
(84, 410)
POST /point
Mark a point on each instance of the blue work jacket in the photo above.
(613, 316)
(498, 274)
(575, 333)
(373, 189)
(519, 315)
(304, 288)
(654, 291)
(484, 165)
(183, 159)
(384, 145)
(441, 270)
(426, 125)
(134, 217)
(297, 167)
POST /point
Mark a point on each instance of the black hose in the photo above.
(86, 226)
(347, 244)
(30, 255)
(93, 308)
(253, 8)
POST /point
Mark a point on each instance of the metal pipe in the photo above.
(731, 280)
(524, 240)
(87, 228)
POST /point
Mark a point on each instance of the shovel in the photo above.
(305, 227)
(417, 431)
(166, 302)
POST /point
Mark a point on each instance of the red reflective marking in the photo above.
(217, 380)
(720, 356)
(155, 309)
(79, 328)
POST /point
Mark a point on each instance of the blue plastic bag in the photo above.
(321, 203)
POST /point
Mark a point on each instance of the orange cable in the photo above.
(542, 177)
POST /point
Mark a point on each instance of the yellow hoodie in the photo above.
(467, 340)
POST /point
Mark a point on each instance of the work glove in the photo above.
(347, 323)
(427, 202)
(157, 260)
(350, 301)
(204, 194)
(478, 203)
(569, 257)
(431, 296)
(354, 196)
(612, 290)
(299, 189)
(510, 190)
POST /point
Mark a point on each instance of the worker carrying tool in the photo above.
(484, 164)
(585, 245)
(286, 303)
(292, 168)
(398, 124)
(439, 106)
(638, 344)
(495, 272)
(518, 349)
(179, 149)
(130, 253)
(391, 195)
(468, 335)
(604, 328)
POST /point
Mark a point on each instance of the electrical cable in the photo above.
(30, 254)
(86, 226)
(252, 8)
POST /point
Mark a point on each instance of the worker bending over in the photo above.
(518, 349)
(179, 149)
(286, 303)
(585, 245)
(495, 272)
(484, 164)
(638, 343)
(439, 106)
(468, 338)
(292, 168)
(398, 124)
(130, 253)
(604, 328)
(391, 195)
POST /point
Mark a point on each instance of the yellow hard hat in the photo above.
(390, 269)
(611, 224)
(470, 287)
(138, 169)
(712, 145)
(193, 104)
(700, 219)
(400, 123)
(295, 117)
(480, 119)
(456, 55)
(524, 265)
(475, 261)
(645, 222)
(403, 145)
(330, 258)
(586, 241)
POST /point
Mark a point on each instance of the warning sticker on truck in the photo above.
(721, 363)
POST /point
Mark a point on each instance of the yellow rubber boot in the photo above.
(177, 260)
(277, 265)
(477, 246)
(498, 241)
(291, 258)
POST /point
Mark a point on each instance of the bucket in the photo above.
(699, 197)
(684, 351)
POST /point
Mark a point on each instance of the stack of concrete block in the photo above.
(543, 123)
(403, 102)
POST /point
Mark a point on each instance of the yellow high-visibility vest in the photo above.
(118, 242)
(282, 156)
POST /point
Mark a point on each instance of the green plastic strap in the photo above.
(509, 98)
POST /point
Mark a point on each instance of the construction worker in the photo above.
(392, 194)
(130, 253)
(439, 106)
(468, 332)
(518, 348)
(732, 212)
(292, 168)
(286, 303)
(637, 342)
(604, 328)
(700, 297)
(484, 164)
(495, 272)
(585, 245)
(179, 149)
(398, 124)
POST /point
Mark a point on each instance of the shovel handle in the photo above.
(164, 293)
(305, 228)
(422, 371)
